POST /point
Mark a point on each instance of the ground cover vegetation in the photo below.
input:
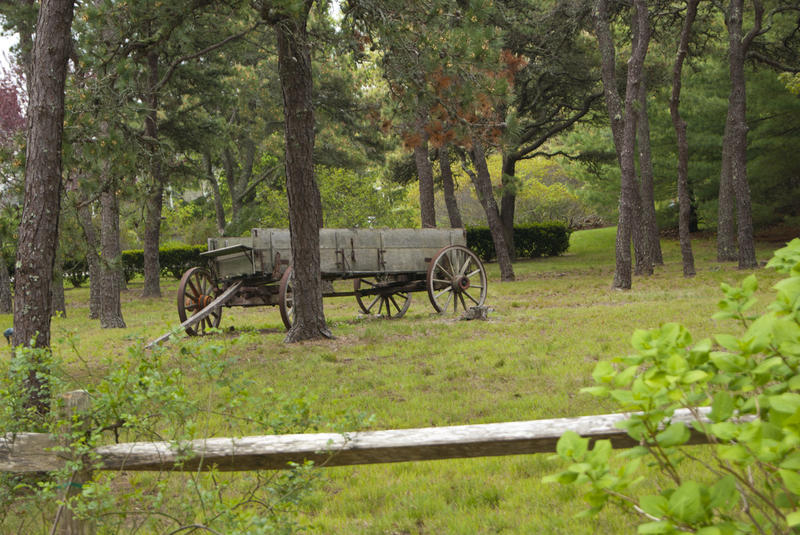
(544, 337)
(142, 124)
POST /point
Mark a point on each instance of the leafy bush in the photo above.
(148, 395)
(748, 479)
(530, 241)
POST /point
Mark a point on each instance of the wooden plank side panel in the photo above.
(369, 447)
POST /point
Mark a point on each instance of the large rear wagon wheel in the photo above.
(456, 277)
(196, 290)
(286, 298)
(387, 304)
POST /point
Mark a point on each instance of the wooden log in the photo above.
(223, 298)
(29, 452)
(368, 447)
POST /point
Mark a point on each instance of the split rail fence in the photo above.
(40, 452)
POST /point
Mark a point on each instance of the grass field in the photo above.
(528, 361)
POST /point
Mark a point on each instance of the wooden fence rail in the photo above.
(39, 452)
(33, 452)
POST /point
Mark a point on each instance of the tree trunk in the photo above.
(155, 193)
(508, 203)
(219, 209)
(425, 172)
(623, 125)
(483, 187)
(726, 216)
(92, 258)
(737, 108)
(649, 225)
(641, 249)
(684, 200)
(305, 206)
(449, 188)
(38, 230)
(111, 265)
(6, 299)
(57, 289)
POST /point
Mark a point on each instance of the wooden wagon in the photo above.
(386, 267)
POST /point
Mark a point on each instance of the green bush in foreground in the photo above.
(748, 479)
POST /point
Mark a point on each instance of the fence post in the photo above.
(76, 407)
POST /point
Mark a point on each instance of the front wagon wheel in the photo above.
(196, 290)
(456, 277)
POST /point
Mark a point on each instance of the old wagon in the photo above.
(386, 267)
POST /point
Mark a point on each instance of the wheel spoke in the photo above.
(391, 298)
(473, 273)
(463, 303)
(472, 298)
(447, 304)
(448, 289)
(369, 308)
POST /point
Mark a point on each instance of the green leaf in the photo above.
(654, 505)
(571, 445)
(603, 372)
(728, 341)
(792, 462)
(694, 376)
(625, 377)
(655, 527)
(674, 435)
(793, 519)
(686, 503)
(750, 284)
(597, 391)
(734, 453)
(724, 430)
(787, 403)
(721, 407)
(791, 479)
(723, 494)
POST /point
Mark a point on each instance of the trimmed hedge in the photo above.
(530, 241)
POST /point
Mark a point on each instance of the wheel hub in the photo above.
(461, 283)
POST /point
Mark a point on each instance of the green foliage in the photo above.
(352, 200)
(530, 241)
(146, 396)
(174, 260)
(748, 480)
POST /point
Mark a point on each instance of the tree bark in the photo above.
(483, 187)
(737, 109)
(38, 230)
(623, 125)
(508, 203)
(305, 205)
(726, 202)
(111, 265)
(684, 199)
(649, 225)
(427, 207)
(449, 188)
(57, 289)
(6, 299)
(92, 257)
(155, 192)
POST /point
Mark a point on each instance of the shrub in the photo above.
(748, 480)
(530, 241)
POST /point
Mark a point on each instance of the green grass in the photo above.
(544, 335)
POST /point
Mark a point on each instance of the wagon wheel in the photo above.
(286, 298)
(196, 290)
(456, 275)
(392, 304)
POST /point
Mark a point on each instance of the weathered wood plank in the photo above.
(223, 298)
(368, 447)
(28, 452)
